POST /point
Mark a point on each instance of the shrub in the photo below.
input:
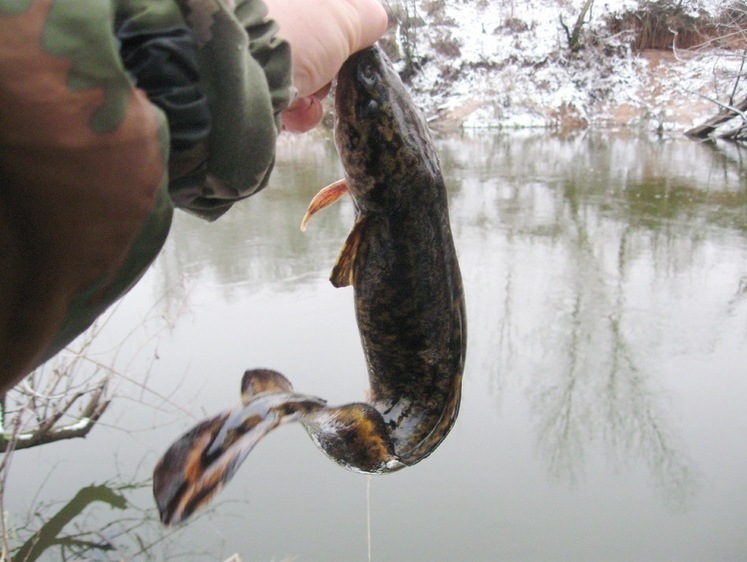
(657, 24)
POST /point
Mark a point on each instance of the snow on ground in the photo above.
(506, 63)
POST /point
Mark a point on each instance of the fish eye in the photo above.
(367, 74)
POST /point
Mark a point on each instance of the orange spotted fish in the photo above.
(409, 303)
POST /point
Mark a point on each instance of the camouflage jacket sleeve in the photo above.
(222, 89)
(245, 74)
(112, 112)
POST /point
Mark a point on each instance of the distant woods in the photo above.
(651, 24)
(675, 26)
(665, 24)
(422, 31)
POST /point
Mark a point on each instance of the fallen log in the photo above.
(704, 130)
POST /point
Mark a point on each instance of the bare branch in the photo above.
(48, 432)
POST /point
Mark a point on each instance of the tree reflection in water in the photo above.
(100, 522)
(620, 223)
(81, 543)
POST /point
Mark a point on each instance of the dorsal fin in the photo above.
(343, 273)
(257, 381)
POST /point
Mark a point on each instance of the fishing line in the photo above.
(368, 513)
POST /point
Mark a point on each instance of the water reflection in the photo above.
(99, 522)
(597, 255)
(579, 252)
(607, 297)
(233, 252)
(82, 543)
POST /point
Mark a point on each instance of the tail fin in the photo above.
(201, 461)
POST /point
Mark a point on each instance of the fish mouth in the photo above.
(360, 80)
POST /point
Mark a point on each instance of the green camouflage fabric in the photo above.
(241, 61)
(112, 112)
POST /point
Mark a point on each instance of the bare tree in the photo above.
(406, 19)
(574, 35)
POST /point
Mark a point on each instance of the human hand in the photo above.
(322, 35)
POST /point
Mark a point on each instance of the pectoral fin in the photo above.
(343, 273)
(326, 196)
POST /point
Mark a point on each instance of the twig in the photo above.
(736, 82)
(47, 432)
(4, 470)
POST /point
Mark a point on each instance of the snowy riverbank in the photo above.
(507, 65)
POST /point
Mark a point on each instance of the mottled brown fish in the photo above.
(409, 302)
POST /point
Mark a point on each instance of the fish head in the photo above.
(381, 136)
(354, 436)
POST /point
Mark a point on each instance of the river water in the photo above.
(604, 410)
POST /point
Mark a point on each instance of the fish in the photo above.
(401, 262)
